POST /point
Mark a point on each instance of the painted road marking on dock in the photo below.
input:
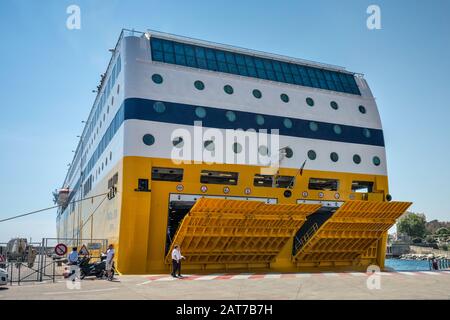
(431, 273)
(210, 277)
(303, 275)
(329, 274)
(357, 274)
(242, 276)
(406, 273)
(169, 278)
(273, 276)
(257, 276)
(80, 291)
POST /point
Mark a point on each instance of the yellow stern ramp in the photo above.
(350, 235)
(222, 231)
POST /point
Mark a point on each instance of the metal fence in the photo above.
(49, 266)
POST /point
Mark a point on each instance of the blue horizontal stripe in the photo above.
(184, 114)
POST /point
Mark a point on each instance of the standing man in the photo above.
(72, 258)
(176, 261)
(109, 262)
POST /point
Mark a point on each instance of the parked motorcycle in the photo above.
(93, 269)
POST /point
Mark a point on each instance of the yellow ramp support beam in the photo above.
(350, 234)
(222, 231)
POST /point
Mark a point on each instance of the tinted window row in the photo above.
(250, 66)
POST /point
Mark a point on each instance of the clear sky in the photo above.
(47, 73)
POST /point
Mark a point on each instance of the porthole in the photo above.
(237, 148)
(366, 133)
(157, 78)
(159, 107)
(148, 139)
(263, 150)
(209, 145)
(313, 126)
(334, 157)
(257, 94)
(288, 152)
(200, 112)
(337, 129)
(287, 123)
(199, 85)
(334, 105)
(259, 120)
(178, 142)
(312, 155)
(231, 116)
(357, 159)
(376, 161)
(228, 89)
(310, 102)
(362, 109)
(284, 97)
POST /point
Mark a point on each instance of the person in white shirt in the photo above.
(109, 261)
(176, 261)
(72, 258)
(72, 261)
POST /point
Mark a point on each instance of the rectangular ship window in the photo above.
(219, 177)
(323, 184)
(362, 186)
(167, 174)
(267, 181)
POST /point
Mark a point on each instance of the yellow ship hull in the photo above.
(136, 221)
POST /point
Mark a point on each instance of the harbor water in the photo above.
(408, 265)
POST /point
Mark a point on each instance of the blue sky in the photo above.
(47, 73)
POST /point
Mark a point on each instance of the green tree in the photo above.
(442, 231)
(430, 239)
(412, 224)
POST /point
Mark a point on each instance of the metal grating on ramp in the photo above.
(350, 232)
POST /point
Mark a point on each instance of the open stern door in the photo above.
(221, 231)
(350, 234)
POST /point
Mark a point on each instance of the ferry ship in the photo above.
(153, 167)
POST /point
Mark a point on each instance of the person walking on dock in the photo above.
(109, 262)
(176, 261)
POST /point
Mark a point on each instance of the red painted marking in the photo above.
(257, 276)
(193, 277)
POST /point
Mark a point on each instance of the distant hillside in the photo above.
(433, 225)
